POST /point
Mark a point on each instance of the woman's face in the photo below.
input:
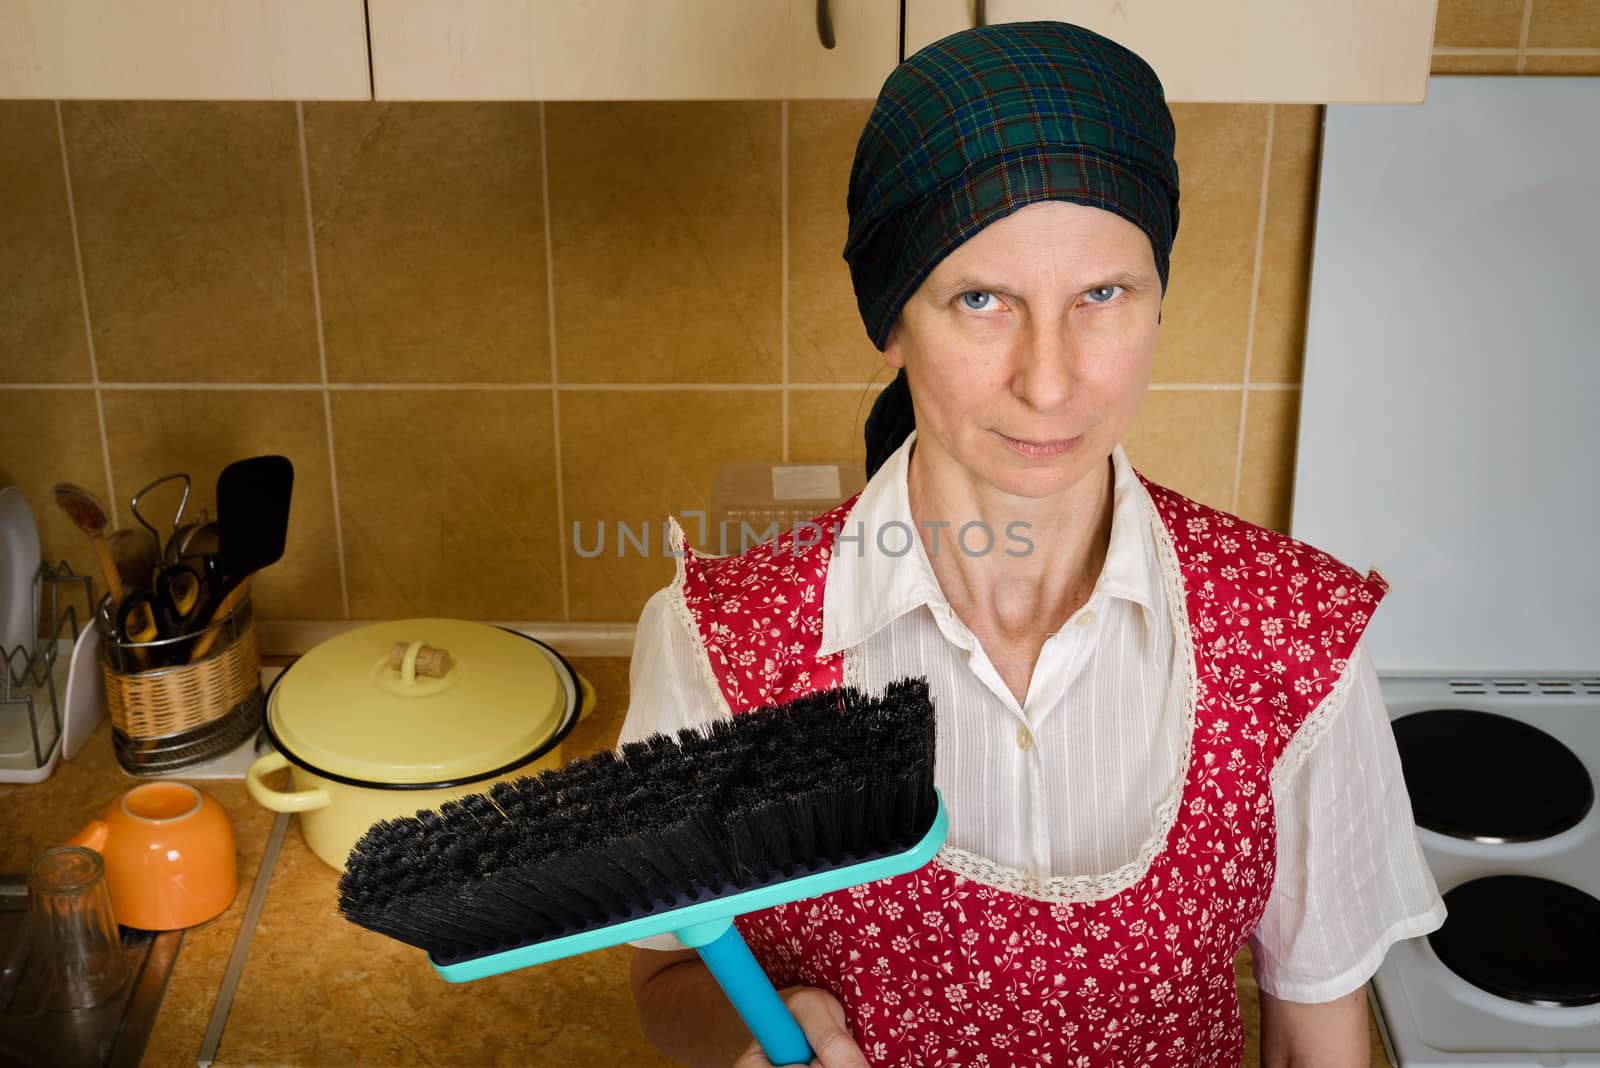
(1028, 348)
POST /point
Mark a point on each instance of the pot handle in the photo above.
(279, 800)
(587, 689)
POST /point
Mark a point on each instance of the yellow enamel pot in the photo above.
(393, 717)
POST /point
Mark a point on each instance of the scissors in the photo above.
(150, 615)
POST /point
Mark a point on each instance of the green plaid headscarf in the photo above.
(984, 122)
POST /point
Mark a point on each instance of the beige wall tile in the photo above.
(430, 241)
(448, 503)
(1280, 340)
(156, 432)
(1449, 63)
(1563, 64)
(665, 222)
(1478, 24)
(41, 315)
(1207, 307)
(192, 220)
(827, 341)
(636, 458)
(1266, 479)
(1187, 440)
(49, 436)
(825, 425)
(1564, 24)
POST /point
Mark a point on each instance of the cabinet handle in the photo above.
(824, 24)
(978, 16)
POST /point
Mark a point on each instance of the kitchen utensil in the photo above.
(145, 616)
(85, 700)
(182, 715)
(177, 516)
(87, 514)
(136, 618)
(678, 836)
(241, 943)
(178, 591)
(20, 557)
(253, 514)
(136, 561)
(169, 855)
(363, 741)
(72, 930)
(194, 539)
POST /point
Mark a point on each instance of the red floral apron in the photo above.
(939, 968)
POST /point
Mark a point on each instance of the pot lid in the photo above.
(346, 708)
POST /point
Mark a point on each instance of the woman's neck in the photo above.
(1018, 599)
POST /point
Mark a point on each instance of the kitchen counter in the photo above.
(320, 991)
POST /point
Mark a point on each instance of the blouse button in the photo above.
(1024, 739)
(1085, 618)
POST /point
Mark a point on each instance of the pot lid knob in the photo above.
(418, 658)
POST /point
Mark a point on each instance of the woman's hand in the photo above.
(821, 1017)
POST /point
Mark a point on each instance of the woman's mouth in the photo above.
(1038, 450)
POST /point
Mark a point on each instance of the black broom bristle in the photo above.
(829, 779)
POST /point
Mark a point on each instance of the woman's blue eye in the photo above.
(986, 300)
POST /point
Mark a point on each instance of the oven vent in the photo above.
(1526, 687)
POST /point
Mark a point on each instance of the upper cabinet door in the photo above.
(183, 50)
(631, 49)
(1293, 51)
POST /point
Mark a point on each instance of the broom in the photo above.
(675, 835)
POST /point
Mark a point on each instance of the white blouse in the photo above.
(1067, 795)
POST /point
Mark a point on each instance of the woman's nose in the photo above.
(1043, 370)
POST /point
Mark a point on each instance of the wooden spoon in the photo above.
(87, 515)
(134, 555)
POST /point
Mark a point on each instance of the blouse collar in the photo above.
(879, 569)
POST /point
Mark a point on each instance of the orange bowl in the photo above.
(169, 856)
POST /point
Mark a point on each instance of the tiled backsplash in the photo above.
(472, 325)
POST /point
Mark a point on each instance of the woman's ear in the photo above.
(893, 354)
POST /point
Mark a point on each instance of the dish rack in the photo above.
(30, 697)
(166, 713)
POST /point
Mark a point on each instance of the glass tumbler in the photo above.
(75, 946)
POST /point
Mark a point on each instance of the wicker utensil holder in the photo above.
(169, 717)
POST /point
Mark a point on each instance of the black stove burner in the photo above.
(1489, 778)
(1527, 939)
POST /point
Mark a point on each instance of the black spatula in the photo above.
(253, 517)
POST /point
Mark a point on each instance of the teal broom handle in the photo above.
(735, 969)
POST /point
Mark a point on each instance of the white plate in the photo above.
(19, 562)
(85, 702)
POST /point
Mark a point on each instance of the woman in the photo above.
(1158, 735)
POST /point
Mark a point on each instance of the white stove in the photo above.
(1431, 1015)
(1448, 439)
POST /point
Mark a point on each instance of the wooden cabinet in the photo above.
(1205, 50)
(1311, 51)
(630, 49)
(183, 49)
